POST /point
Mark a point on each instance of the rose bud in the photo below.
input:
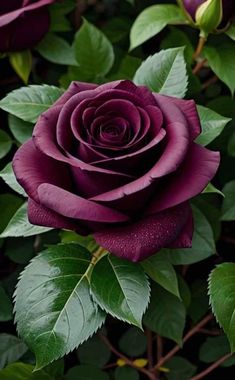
(23, 23)
(209, 14)
(119, 162)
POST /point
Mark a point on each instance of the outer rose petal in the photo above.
(74, 88)
(11, 16)
(184, 240)
(33, 168)
(198, 168)
(139, 240)
(43, 216)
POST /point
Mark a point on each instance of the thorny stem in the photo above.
(199, 65)
(211, 368)
(200, 46)
(150, 375)
(174, 350)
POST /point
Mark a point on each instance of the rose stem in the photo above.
(199, 66)
(210, 81)
(174, 350)
(200, 46)
(149, 374)
(211, 368)
(159, 347)
(149, 336)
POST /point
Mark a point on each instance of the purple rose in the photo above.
(191, 7)
(23, 23)
(119, 162)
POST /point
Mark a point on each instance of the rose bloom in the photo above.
(191, 7)
(23, 23)
(119, 162)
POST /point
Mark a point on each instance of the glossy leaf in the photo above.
(222, 298)
(58, 11)
(166, 314)
(28, 103)
(21, 61)
(21, 130)
(5, 143)
(228, 206)
(160, 270)
(9, 204)
(93, 51)
(54, 309)
(215, 348)
(85, 372)
(220, 56)
(212, 189)
(120, 288)
(179, 369)
(133, 342)
(212, 125)
(126, 373)
(9, 178)
(94, 352)
(20, 226)
(152, 20)
(11, 349)
(57, 50)
(164, 72)
(22, 371)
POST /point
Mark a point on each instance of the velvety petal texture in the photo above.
(23, 23)
(118, 162)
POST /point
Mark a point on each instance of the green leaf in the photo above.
(28, 103)
(58, 12)
(21, 130)
(5, 143)
(212, 189)
(231, 145)
(86, 241)
(126, 373)
(117, 28)
(203, 244)
(222, 298)
(22, 371)
(11, 349)
(94, 352)
(121, 288)
(215, 348)
(166, 314)
(5, 307)
(20, 226)
(228, 205)
(126, 69)
(86, 372)
(152, 20)
(212, 125)
(21, 61)
(184, 291)
(20, 250)
(199, 305)
(57, 50)
(221, 57)
(133, 342)
(231, 31)
(9, 178)
(9, 204)
(93, 51)
(160, 270)
(54, 309)
(164, 72)
(179, 369)
(176, 37)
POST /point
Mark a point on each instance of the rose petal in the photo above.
(184, 240)
(198, 168)
(33, 168)
(73, 89)
(139, 240)
(11, 16)
(43, 216)
(72, 206)
(142, 92)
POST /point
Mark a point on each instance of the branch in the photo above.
(150, 375)
(149, 348)
(200, 46)
(174, 350)
(211, 368)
